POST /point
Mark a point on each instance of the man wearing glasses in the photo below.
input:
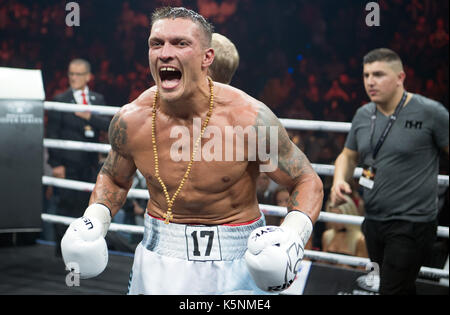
(79, 126)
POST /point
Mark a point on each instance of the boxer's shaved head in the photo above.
(183, 13)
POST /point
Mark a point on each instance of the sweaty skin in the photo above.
(216, 192)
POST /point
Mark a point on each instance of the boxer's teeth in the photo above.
(168, 69)
(169, 73)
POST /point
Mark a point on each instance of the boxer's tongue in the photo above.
(170, 84)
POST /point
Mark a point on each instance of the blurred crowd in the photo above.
(302, 58)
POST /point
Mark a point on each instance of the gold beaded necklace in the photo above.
(170, 201)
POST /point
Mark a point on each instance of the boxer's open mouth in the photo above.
(170, 77)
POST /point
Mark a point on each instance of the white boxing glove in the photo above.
(83, 245)
(274, 253)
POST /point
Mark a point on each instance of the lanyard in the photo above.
(388, 127)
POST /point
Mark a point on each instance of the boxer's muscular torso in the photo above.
(216, 192)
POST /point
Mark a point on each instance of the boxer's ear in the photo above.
(208, 57)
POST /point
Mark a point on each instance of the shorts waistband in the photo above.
(198, 242)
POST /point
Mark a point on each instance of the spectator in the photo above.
(432, 90)
(439, 39)
(335, 112)
(227, 9)
(281, 197)
(297, 110)
(277, 90)
(420, 34)
(344, 239)
(348, 85)
(297, 138)
(218, 13)
(336, 93)
(416, 8)
(313, 93)
(412, 81)
(399, 43)
(79, 126)
(264, 194)
(6, 52)
(441, 82)
(208, 8)
(226, 59)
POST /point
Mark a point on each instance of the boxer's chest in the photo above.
(220, 155)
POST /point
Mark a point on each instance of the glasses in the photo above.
(78, 74)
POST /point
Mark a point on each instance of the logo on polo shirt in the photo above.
(410, 124)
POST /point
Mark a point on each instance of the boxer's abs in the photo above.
(208, 209)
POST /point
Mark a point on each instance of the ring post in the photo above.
(21, 152)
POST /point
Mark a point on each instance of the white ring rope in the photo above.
(71, 108)
(114, 227)
(316, 125)
(76, 145)
(362, 262)
(295, 124)
(442, 231)
(310, 254)
(84, 186)
(321, 169)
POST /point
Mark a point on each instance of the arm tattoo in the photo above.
(118, 133)
(114, 199)
(293, 203)
(114, 168)
(291, 160)
(113, 188)
(115, 185)
(109, 166)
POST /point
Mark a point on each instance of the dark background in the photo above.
(287, 40)
(300, 57)
(291, 51)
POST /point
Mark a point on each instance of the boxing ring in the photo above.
(321, 169)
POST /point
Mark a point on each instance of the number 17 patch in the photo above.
(203, 243)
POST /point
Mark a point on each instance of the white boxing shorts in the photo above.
(179, 259)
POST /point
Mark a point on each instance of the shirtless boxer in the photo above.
(204, 232)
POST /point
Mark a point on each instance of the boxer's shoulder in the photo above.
(137, 109)
(249, 109)
(129, 119)
(144, 102)
(233, 94)
(238, 105)
(146, 97)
